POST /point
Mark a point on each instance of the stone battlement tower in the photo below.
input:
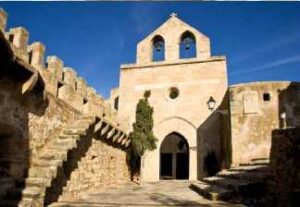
(174, 62)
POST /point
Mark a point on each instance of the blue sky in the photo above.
(260, 39)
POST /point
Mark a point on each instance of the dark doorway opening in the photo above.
(174, 157)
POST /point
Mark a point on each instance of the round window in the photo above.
(173, 93)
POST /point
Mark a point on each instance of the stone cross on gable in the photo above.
(173, 14)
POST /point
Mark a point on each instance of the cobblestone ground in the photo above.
(163, 193)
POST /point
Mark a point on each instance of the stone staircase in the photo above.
(44, 168)
(245, 183)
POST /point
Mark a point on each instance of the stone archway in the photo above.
(174, 157)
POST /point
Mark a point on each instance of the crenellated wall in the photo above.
(61, 81)
(40, 99)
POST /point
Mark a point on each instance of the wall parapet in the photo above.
(60, 80)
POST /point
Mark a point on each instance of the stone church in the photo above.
(192, 110)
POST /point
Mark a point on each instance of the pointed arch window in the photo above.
(158, 48)
(187, 45)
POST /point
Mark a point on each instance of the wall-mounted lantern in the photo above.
(211, 103)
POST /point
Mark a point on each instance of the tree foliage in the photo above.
(142, 137)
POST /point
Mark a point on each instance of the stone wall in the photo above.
(14, 153)
(256, 109)
(61, 81)
(45, 127)
(103, 166)
(285, 167)
(31, 120)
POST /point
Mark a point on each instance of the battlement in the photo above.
(61, 81)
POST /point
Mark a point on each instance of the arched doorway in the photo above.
(174, 157)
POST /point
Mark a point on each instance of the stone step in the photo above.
(261, 158)
(46, 163)
(254, 163)
(38, 182)
(74, 132)
(78, 129)
(48, 171)
(67, 139)
(32, 192)
(228, 183)
(70, 143)
(211, 192)
(88, 118)
(260, 161)
(243, 175)
(54, 155)
(59, 148)
(26, 202)
(256, 168)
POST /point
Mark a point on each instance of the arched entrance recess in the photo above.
(174, 157)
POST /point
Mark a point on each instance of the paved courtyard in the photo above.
(163, 193)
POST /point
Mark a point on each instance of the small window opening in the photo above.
(30, 57)
(158, 48)
(63, 76)
(59, 85)
(85, 101)
(116, 103)
(11, 38)
(266, 97)
(75, 86)
(173, 93)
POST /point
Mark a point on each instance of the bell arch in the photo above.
(187, 45)
(158, 48)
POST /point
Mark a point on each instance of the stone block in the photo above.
(36, 52)
(69, 77)
(3, 20)
(55, 65)
(19, 37)
(81, 87)
(66, 93)
(91, 93)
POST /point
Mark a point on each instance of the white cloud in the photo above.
(268, 66)
(271, 46)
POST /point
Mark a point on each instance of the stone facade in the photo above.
(196, 79)
(257, 109)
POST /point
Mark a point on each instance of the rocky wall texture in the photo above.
(103, 166)
(45, 126)
(13, 132)
(255, 110)
(285, 167)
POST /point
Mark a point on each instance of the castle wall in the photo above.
(30, 120)
(253, 118)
